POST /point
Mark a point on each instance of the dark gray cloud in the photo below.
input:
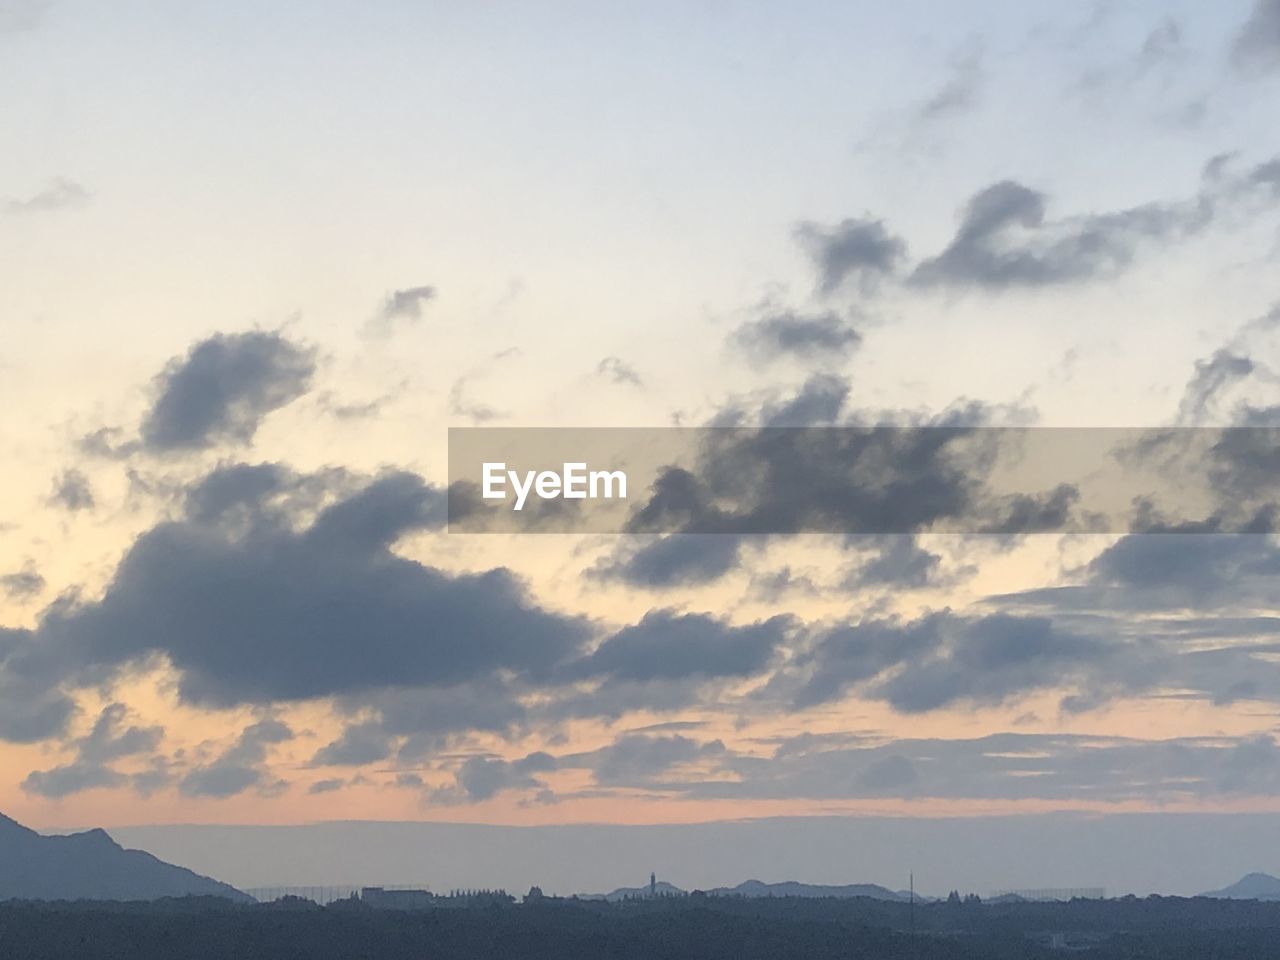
(848, 657)
(461, 405)
(633, 760)
(962, 90)
(1049, 511)
(1155, 612)
(60, 193)
(358, 745)
(223, 389)
(1244, 468)
(109, 739)
(1005, 766)
(1006, 240)
(73, 778)
(1189, 587)
(360, 409)
(944, 659)
(1238, 464)
(106, 442)
(1239, 361)
(773, 585)
(896, 561)
(271, 612)
(481, 778)
(408, 302)
(822, 336)
(992, 660)
(22, 585)
(819, 400)
(288, 588)
(1163, 44)
(429, 720)
(72, 491)
(400, 306)
(1251, 416)
(326, 786)
(1257, 46)
(668, 661)
(32, 706)
(237, 486)
(831, 474)
(1212, 376)
(618, 370)
(637, 760)
(1267, 176)
(1201, 571)
(372, 519)
(678, 560)
(417, 724)
(241, 766)
(356, 411)
(666, 645)
(233, 495)
(857, 251)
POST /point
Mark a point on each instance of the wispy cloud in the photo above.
(60, 194)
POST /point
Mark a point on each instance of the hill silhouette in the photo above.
(1254, 886)
(91, 866)
(757, 888)
(791, 888)
(662, 888)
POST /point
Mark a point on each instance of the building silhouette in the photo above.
(381, 898)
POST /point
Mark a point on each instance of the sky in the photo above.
(259, 258)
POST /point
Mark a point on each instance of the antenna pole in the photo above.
(912, 882)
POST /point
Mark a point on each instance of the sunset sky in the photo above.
(259, 257)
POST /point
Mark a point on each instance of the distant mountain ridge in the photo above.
(757, 888)
(1253, 886)
(92, 866)
(661, 888)
(791, 888)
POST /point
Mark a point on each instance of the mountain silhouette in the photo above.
(790, 888)
(757, 888)
(1254, 886)
(661, 888)
(91, 866)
